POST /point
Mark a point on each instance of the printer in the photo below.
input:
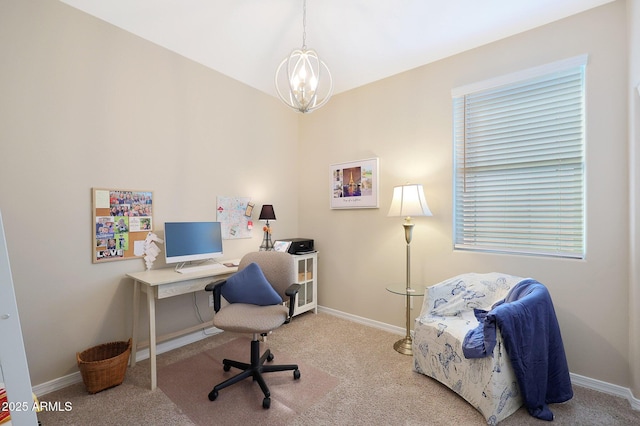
(298, 245)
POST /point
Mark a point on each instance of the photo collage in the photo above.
(129, 211)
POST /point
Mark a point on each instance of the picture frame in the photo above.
(354, 184)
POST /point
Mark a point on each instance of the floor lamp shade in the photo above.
(408, 200)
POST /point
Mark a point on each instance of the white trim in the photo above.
(517, 76)
(70, 379)
(178, 342)
(57, 384)
(364, 321)
(576, 379)
(607, 388)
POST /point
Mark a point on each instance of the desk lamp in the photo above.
(408, 200)
(267, 213)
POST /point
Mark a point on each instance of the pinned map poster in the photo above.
(234, 215)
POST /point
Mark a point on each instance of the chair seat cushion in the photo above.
(249, 285)
(244, 318)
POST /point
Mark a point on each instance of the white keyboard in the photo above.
(213, 267)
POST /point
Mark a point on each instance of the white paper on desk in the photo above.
(138, 248)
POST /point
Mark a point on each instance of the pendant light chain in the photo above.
(304, 25)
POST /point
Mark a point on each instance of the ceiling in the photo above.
(361, 41)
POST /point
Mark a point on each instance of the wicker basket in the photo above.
(104, 366)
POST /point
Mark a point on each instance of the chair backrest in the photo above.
(466, 292)
(278, 268)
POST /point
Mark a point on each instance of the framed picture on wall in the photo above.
(354, 185)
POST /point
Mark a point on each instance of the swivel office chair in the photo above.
(255, 295)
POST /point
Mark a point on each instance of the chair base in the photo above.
(255, 369)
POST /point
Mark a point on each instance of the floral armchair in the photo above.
(489, 384)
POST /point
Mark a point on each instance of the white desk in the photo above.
(159, 284)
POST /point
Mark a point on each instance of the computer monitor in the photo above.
(189, 241)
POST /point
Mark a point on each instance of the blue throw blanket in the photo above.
(532, 340)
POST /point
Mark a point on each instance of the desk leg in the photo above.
(151, 302)
(136, 313)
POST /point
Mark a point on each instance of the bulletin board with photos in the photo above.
(121, 221)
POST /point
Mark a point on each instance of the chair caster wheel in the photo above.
(226, 367)
(213, 395)
(266, 403)
(296, 374)
(270, 357)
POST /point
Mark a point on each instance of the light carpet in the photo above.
(376, 386)
(188, 382)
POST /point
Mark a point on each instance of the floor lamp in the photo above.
(408, 200)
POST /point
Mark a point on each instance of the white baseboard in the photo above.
(364, 321)
(576, 379)
(178, 342)
(56, 384)
(70, 379)
(605, 387)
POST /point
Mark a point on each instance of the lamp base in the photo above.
(404, 346)
(266, 245)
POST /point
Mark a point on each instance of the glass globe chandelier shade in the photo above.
(303, 81)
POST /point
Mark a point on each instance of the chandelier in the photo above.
(303, 80)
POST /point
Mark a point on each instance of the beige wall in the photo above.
(84, 104)
(405, 120)
(633, 19)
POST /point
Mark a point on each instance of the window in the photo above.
(519, 162)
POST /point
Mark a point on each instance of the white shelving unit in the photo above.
(307, 298)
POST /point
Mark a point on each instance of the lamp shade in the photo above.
(408, 200)
(267, 212)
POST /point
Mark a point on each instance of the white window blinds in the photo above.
(519, 165)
